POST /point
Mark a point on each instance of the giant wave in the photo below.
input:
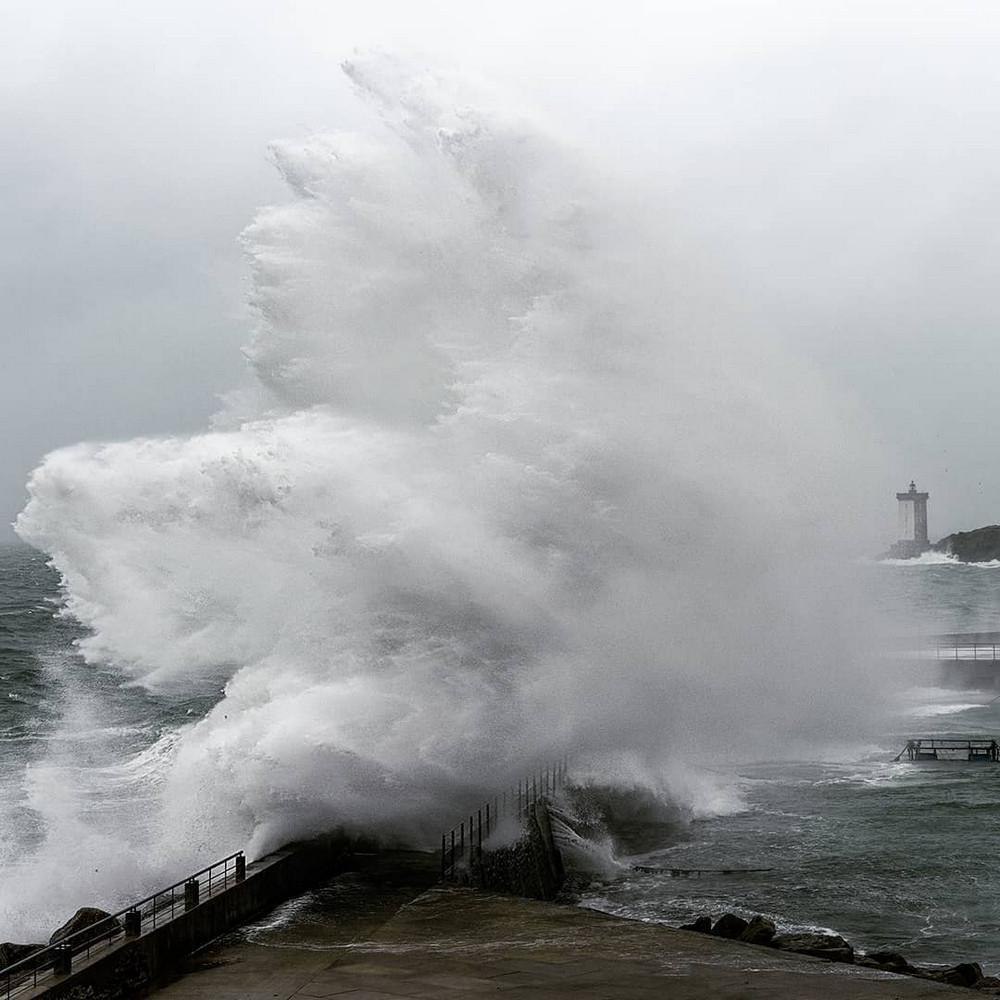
(516, 481)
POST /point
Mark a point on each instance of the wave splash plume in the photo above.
(515, 482)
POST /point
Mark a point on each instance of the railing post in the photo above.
(241, 867)
(487, 820)
(479, 816)
(190, 894)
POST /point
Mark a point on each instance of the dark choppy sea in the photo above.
(887, 854)
(75, 749)
(890, 855)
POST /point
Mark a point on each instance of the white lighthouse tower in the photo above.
(912, 524)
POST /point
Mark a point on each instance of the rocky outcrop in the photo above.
(702, 924)
(968, 974)
(11, 953)
(760, 930)
(832, 947)
(729, 926)
(965, 974)
(86, 916)
(978, 545)
(887, 961)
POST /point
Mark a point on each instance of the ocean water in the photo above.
(518, 479)
(891, 855)
(81, 752)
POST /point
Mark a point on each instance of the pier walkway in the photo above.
(387, 932)
(959, 659)
(950, 646)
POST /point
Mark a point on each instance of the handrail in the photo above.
(977, 747)
(56, 959)
(948, 646)
(455, 847)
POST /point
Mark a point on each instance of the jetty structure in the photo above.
(968, 660)
(983, 748)
(395, 923)
(913, 538)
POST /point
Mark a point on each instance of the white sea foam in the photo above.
(928, 558)
(517, 481)
(934, 701)
(953, 708)
(938, 559)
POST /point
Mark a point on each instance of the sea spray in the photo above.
(516, 482)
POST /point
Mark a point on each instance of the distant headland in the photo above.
(978, 545)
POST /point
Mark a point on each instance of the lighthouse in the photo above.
(912, 524)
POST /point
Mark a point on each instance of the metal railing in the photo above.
(961, 652)
(464, 842)
(974, 748)
(950, 646)
(156, 910)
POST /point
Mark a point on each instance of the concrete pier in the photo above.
(386, 932)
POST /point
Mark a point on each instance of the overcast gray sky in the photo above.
(842, 157)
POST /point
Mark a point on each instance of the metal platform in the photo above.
(979, 749)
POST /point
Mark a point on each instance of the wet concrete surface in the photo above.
(385, 930)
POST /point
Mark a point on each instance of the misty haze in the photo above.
(386, 424)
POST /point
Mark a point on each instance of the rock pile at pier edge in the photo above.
(832, 947)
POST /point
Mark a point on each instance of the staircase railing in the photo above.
(464, 842)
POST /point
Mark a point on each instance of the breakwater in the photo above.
(505, 845)
(117, 957)
(451, 941)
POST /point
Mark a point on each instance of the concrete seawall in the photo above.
(402, 936)
(133, 963)
(531, 866)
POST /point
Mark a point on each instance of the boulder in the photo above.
(760, 930)
(988, 983)
(701, 924)
(887, 961)
(971, 972)
(832, 947)
(729, 926)
(86, 916)
(11, 953)
(965, 974)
